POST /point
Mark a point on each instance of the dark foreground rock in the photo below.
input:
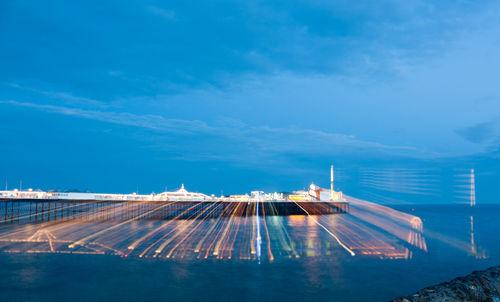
(478, 286)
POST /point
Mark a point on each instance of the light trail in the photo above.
(228, 225)
(258, 239)
(83, 240)
(48, 211)
(56, 225)
(402, 225)
(192, 230)
(253, 244)
(225, 239)
(231, 247)
(181, 230)
(271, 257)
(280, 230)
(328, 231)
(163, 226)
(216, 230)
(224, 222)
(214, 224)
(163, 237)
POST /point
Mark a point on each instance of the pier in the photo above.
(36, 210)
(218, 229)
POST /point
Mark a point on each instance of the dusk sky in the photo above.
(118, 95)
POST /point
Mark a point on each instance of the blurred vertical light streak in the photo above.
(258, 239)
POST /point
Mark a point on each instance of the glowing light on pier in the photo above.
(208, 230)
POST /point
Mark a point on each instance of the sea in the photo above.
(240, 252)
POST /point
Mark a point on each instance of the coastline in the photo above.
(477, 286)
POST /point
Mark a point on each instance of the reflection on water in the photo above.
(210, 230)
(478, 253)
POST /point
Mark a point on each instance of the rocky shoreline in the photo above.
(478, 286)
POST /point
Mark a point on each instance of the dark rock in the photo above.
(477, 287)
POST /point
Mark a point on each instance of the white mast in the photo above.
(472, 189)
(331, 182)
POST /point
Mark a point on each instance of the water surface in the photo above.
(246, 256)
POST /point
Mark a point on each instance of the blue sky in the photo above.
(115, 95)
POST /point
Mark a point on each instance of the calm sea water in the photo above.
(307, 262)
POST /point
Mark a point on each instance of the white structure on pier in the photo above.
(179, 195)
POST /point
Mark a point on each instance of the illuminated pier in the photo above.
(32, 210)
(202, 230)
(208, 229)
(181, 224)
(32, 205)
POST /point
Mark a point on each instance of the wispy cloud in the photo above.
(164, 13)
(231, 141)
(151, 122)
(62, 96)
